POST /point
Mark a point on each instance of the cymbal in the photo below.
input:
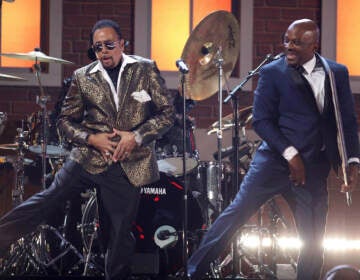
(216, 36)
(5, 77)
(12, 146)
(244, 117)
(38, 56)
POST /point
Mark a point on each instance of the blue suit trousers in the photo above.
(268, 175)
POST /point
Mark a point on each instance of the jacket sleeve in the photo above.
(71, 116)
(266, 111)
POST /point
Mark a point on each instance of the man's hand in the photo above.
(103, 143)
(352, 172)
(297, 170)
(125, 146)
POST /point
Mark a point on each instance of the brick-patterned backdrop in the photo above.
(271, 18)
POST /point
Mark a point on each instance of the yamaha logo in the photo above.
(153, 190)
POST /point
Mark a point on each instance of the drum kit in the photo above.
(190, 193)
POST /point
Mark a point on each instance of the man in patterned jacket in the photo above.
(114, 110)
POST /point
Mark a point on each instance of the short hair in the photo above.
(105, 23)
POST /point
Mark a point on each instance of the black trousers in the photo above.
(118, 201)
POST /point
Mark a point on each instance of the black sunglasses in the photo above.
(98, 47)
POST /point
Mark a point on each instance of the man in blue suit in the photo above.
(294, 115)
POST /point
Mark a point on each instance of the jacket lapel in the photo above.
(327, 97)
(123, 91)
(327, 88)
(303, 86)
(104, 88)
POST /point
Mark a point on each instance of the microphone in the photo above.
(276, 57)
(182, 66)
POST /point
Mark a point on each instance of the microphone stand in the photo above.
(183, 71)
(235, 143)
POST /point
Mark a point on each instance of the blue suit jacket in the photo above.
(285, 113)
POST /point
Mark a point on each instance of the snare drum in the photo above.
(169, 150)
(54, 147)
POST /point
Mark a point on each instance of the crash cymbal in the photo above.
(5, 77)
(37, 56)
(244, 117)
(216, 36)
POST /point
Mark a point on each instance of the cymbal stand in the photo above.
(233, 95)
(18, 191)
(42, 100)
(219, 63)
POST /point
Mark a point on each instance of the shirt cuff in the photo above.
(289, 153)
(353, 160)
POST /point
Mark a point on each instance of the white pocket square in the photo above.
(141, 96)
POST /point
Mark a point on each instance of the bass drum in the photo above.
(161, 206)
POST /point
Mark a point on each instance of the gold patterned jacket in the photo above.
(145, 106)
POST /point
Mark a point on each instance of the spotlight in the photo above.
(330, 244)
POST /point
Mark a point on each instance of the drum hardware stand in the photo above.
(42, 100)
(18, 191)
(233, 95)
(219, 63)
(257, 262)
(276, 217)
(262, 268)
(272, 231)
(27, 255)
(88, 251)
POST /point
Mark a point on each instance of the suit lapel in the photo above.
(303, 86)
(327, 97)
(123, 91)
(327, 87)
(104, 88)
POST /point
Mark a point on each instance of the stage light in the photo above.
(341, 244)
(291, 243)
